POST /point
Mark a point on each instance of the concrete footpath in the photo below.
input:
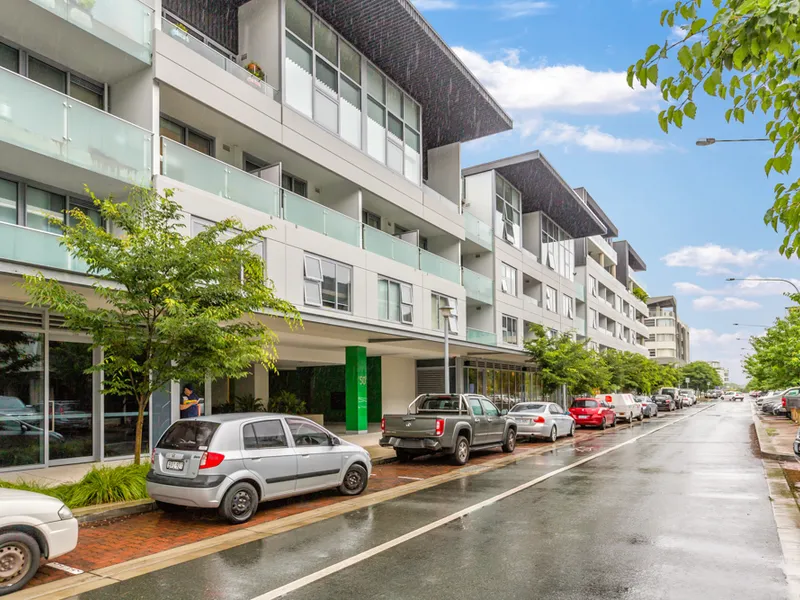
(775, 435)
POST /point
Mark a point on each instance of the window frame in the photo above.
(510, 330)
(307, 279)
(551, 306)
(504, 227)
(410, 303)
(253, 424)
(294, 182)
(508, 279)
(186, 130)
(311, 425)
(439, 324)
(567, 306)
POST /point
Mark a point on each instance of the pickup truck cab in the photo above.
(454, 424)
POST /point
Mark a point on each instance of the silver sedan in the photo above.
(542, 420)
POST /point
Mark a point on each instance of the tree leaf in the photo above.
(652, 74)
(690, 110)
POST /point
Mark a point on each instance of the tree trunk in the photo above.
(137, 449)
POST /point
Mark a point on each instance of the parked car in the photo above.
(454, 424)
(542, 420)
(675, 396)
(690, 394)
(733, 396)
(32, 527)
(687, 400)
(591, 412)
(649, 406)
(624, 405)
(232, 462)
(11, 406)
(665, 402)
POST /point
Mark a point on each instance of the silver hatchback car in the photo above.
(234, 461)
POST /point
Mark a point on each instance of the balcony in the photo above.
(306, 213)
(441, 267)
(34, 247)
(389, 246)
(580, 292)
(479, 287)
(477, 231)
(604, 247)
(481, 337)
(223, 62)
(51, 124)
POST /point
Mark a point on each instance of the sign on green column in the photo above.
(355, 373)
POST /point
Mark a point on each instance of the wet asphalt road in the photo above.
(681, 513)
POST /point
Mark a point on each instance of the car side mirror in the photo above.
(504, 412)
(336, 441)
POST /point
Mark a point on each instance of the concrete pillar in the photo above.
(261, 383)
(356, 389)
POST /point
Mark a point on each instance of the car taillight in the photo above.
(211, 460)
(539, 420)
(153, 457)
(783, 402)
(383, 425)
(439, 426)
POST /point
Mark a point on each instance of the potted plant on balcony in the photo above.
(256, 72)
(180, 32)
(81, 12)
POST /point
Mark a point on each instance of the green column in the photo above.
(355, 373)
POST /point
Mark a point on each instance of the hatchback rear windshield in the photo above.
(528, 407)
(435, 403)
(585, 404)
(188, 435)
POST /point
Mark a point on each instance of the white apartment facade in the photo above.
(723, 372)
(668, 341)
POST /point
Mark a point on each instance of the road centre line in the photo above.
(353, 560)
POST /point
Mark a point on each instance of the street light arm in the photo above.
(789, 281)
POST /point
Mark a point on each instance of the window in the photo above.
(264, 434)
(593, 285)
(395, 301)
(308, 434)
(43, 73)
(8, 200)
(508, 281)
(489, 409)
(566, 304)
(558, 250)
(664, 337)
(188, 435)
(593, 318)
(550, 296)
(327, 283)
(294, 184)
(184, 135)
(41, 206)
(664, 323)
(9, 58)
(508, 207)
(437, 320)
(371, 219)
(652, 353)
(476, 406)
(555, 410)
(509, 330)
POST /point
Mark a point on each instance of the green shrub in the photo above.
(287, 403)
(101, 485)
(249, 403)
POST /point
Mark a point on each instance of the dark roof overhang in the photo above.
(611, 229)
(635, 261)
(543, 189)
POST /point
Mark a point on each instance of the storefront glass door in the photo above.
(70, 419)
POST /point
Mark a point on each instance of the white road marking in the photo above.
(353, 560)
(65, 568)
(411, 478)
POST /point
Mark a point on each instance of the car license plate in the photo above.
(524, 421)
(583, 416)
(174, 465)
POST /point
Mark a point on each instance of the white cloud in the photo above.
(713, 259)
(707, 344)
(678, 32)
(714, 303)
(513, 9)
(591, 138)
(565, 88)
(709, 338)
(436, 4)
(691, 289)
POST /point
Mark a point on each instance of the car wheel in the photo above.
(571, 430)
(354, 482)
(511, 441)
(461, 453)
(630, 417)
(603, 423)
(169, 508)
(19, 560)
(239, 504)
(640, 417)
(404, 456)
(553, 434)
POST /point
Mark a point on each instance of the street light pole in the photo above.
(790, 282)
(711, 141)
(745, 325)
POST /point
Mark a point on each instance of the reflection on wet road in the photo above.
(680, 513)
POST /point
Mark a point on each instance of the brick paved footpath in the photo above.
(107, 543)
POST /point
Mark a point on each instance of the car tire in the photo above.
(355, 481)
(167, 507)
(603, 424)
(614, 421)
(403, 456)
(461, 451)
(630, 417)
(511, 441)
(553, 435)
(640, 418)
(572, 430)
(20, 550)
(239, 504)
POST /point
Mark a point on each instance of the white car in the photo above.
(687, 400)
(32, 527)
(625, 407)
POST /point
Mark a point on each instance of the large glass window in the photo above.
(665, 323)
(8, 201)
(41, 207)
(508, 281)
(508, 205)
(509, 330)
(9, 58)
(22, 425)
(437, 319)
(558, 251)
(566, 305)
(327, 283)
(119, 425)
(71, 400)
(550, 299)
(48, 75)
(184, 135)
(395, 301)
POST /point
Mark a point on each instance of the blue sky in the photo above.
(694, 214)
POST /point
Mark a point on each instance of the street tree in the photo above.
(775, 360)
(165, 306)
(560, 360)
(701, 375)
(744, 52)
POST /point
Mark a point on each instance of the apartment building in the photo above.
(724, 373)
(605, 270)
(668, 341)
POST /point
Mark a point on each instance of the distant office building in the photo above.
(668, 342)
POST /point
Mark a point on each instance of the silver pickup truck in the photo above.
(449, 423)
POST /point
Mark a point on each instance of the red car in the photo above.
(594, 412)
